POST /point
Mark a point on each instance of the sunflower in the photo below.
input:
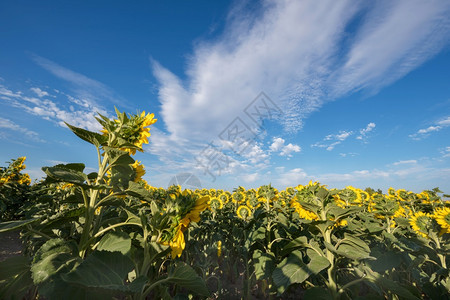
(139, 169)
(442, 217)
(420, 223)
(243, 212)
(402, 194)
(215, 203)
(391, 192)
(303, 213)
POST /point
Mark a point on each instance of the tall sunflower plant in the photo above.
(117, 226)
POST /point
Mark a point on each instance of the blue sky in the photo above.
(356, 92)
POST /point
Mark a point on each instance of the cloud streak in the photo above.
(299, 54)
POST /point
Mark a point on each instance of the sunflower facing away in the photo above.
(420, 223)
(442, 216)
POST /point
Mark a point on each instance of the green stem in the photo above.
(342, 290)
(90, 210)
(331, 273)
(38, 232)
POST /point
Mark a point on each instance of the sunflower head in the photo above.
(215, 204)
(442, 217)
(244, 212)
(421, 223)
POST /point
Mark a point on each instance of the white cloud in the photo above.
(438, 126)
(83, 116)
(299, 54)
(363, 132)
(446, 152)
(82, 86)
(10, 125)
(405, 162)
(291, 177)
(39, 92)
(277, 144)
(332, 140)
(284, 150)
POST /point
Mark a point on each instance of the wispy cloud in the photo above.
(332, 140)
(405, 162)
(6, 124)
(79, 112)
(363, 132)
(299, 54)
(40, 93)
(82, 86)
(424, 132)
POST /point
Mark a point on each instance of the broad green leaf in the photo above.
(317, 293)
(137, 190)
(264, 263)
(184, 276)
(118, 157)
(300, 242)
(258, 234)
(115, 241)
(15, 277)
(54, 257)
(354, 248)
(101, 269)
(293, 270)
(65, 175)
(13, 266)
(385, 260)
(91, 137)
(15, 225)
(79, 167)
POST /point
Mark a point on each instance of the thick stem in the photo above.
(90, 209)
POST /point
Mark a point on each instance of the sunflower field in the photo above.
(110, 234)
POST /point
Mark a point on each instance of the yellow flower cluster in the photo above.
(12, 173)
(177, 243)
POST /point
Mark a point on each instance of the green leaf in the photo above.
(118, 157)
(317, 293)
(115, 241)
(14, 225)
(137, 190)
(258, 234)
(15, 277)
(385, 260)
(65, 175)
(264, 263)
(300, 242)
(91, 137)
(354, 248)
(101, 269)
(183, 275)
(293, 270)
(54, 257)
(79, 167)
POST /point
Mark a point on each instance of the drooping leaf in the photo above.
(293, 270)
(184, 276)
(54, 257)
(264, 263)
(101, 269)
(15, 277)
(137, 190)
(118, 157)
(317, 293)
(91, 137)
(353, 248)
(15, 225)
(115, 241)
(65, 175)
